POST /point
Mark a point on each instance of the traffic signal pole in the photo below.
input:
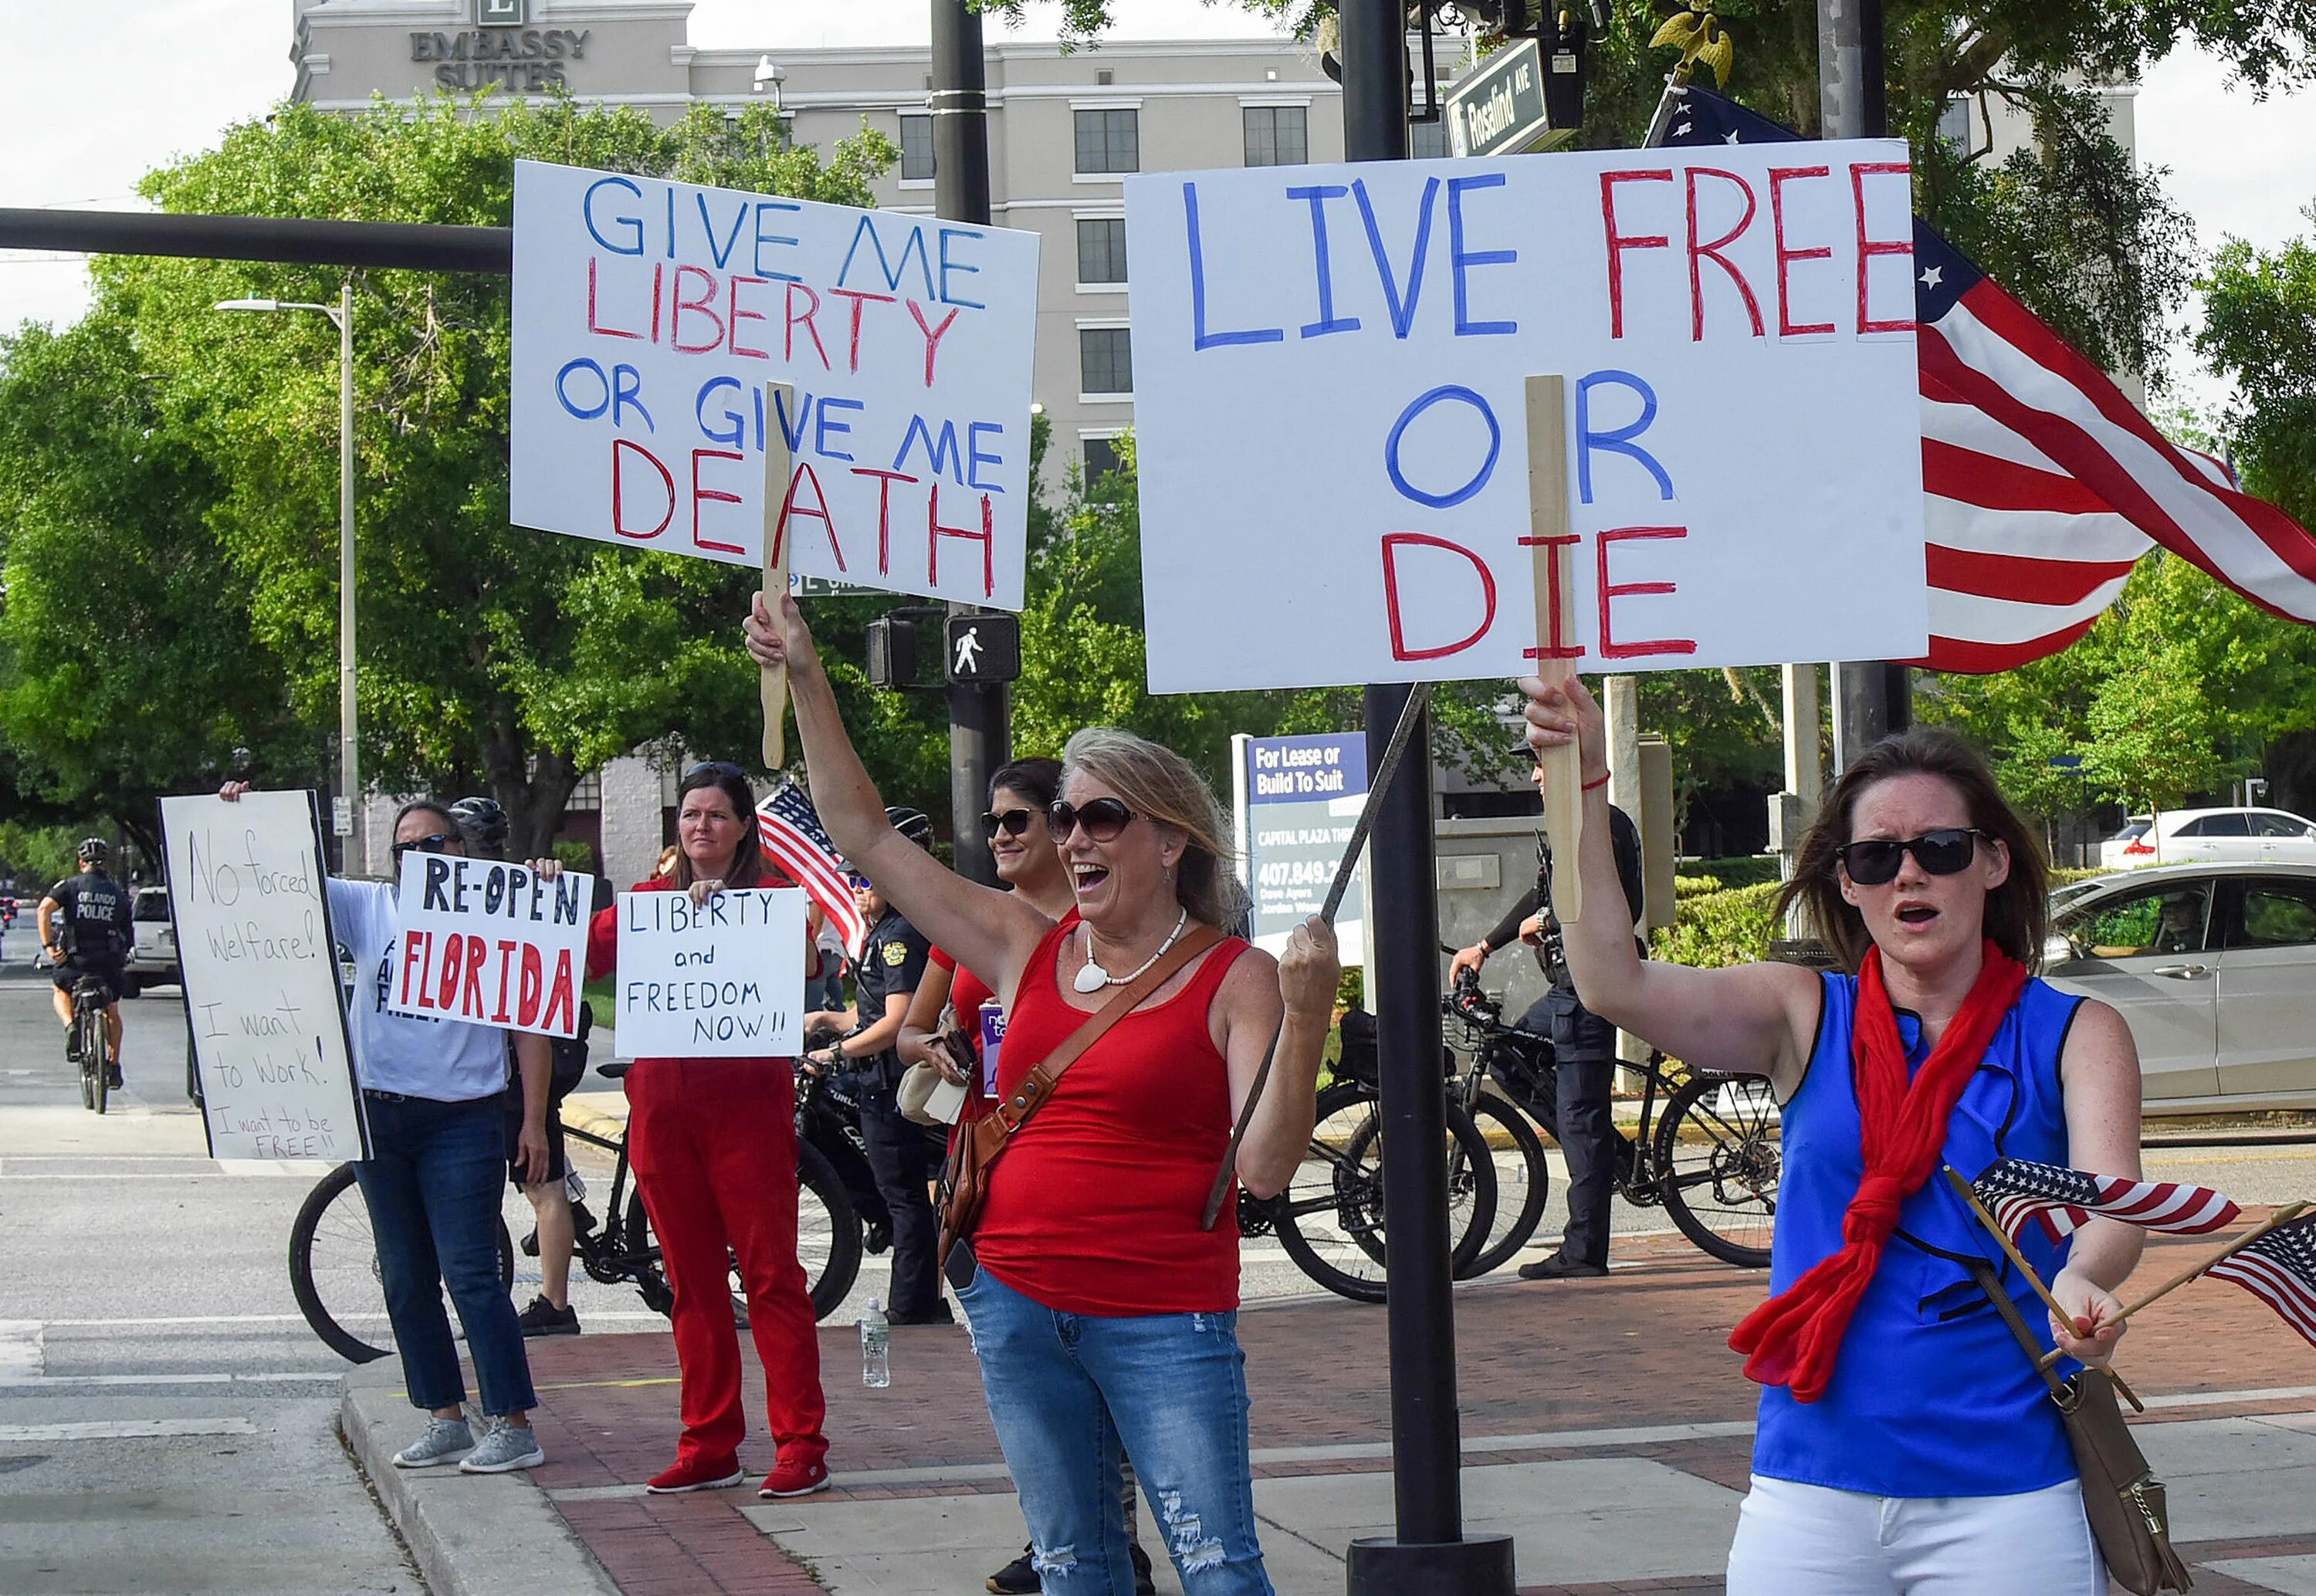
(980, 734)
(1428, 1555)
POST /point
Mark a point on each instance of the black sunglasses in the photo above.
(716, 768)
(426, 844)
(1103, 819)
(1941, 852)
(1014, 822)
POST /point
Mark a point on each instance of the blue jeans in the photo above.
(432, 1184)
(1067, 1392)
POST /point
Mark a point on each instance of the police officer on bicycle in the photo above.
(88, 927)
(1577, 1111)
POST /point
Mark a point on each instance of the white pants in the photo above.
(1810, 1540)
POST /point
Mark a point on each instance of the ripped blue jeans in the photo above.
(1067, 1391)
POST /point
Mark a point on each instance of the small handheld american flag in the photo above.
(2279, 1268)
(792, 835)
(2018, 1192)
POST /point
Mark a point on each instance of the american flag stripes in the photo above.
(2043, 483)
(792, 835)
(2019, 1192)
(2279, 1268)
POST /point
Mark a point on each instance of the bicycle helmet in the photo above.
(93, 849)
(483, 822)
(911, 823)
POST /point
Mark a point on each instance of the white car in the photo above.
(2222, 836)
(2212, 966)
(153, 961)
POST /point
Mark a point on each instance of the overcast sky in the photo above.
(102, 91)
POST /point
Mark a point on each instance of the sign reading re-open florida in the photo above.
(649, 317)
(1330, 362)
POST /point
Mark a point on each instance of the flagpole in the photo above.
(2010, 1250)
(2282, 1216)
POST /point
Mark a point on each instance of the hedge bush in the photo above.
(1729, 927)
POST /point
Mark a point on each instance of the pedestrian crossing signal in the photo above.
(982, 648)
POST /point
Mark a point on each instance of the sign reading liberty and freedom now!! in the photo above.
(1329, 366)
(490, 943)
(649, 317)
(723, 979)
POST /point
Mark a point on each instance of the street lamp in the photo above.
(348, 761)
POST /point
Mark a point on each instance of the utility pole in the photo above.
(1872, 698)
(1429, 1554)
(356, 852)
(980, 735)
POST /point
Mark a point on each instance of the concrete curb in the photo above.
(472, 1535)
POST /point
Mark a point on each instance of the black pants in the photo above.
(1584, 1074)
(902, 1161)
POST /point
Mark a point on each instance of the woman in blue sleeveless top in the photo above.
(1906, 1446)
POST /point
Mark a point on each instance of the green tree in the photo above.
(493, 658)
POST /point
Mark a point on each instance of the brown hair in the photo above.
(749, 866)
(2018, 911)
(1159, 784)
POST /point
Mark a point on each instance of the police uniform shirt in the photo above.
(98, 917)
(892, 961)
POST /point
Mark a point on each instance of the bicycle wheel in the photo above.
(334, 1269)
(88, 1026)
(828, 1231)
(1719, 1154)
(1522, 1179)
(1331, 1217)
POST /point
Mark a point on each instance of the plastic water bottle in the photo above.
(574, 1187)
(876, 1347)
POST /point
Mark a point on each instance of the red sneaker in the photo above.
(792, 1479)
(693, 1474)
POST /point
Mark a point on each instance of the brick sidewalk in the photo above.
(1643, 1349)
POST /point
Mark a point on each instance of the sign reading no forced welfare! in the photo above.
(723, 979)
(1331, 366)
(649, 317)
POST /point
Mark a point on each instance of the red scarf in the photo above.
(1791, 1339)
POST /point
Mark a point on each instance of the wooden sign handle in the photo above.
(779, 398)
(1556, 615)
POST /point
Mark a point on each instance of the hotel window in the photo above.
(1109, 141)
(1277, 134)
(916, 150)
(1105, 360)
(1101, 249)
(1101, 458)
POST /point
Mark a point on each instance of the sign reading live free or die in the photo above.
(650, 315)
(1331, 364)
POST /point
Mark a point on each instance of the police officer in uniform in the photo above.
(88, 925)
(1584, 1056)
(903, 1157)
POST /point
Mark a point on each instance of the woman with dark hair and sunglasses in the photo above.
(1102, 1311)
(713, 1145)
(1906, 1444)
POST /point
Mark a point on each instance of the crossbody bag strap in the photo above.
(1991, 1284)
(1013, 1110)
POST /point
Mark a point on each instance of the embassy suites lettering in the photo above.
(527, 60)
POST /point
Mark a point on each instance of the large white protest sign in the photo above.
(491, 943)
(260, 976)
(649, 317)
(1330, 365)
(723, 979)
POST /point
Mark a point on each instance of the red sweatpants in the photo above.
(713, 1145)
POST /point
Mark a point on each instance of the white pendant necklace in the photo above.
(1092, 978)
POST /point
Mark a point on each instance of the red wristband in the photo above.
(1598, 781)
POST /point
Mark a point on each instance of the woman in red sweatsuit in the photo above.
(713, 1145)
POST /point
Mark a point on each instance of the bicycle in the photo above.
(86, 1040)
(334, 1272)
(1711, 1160)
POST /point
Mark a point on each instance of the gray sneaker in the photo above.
(444, 1439)
(503, 1447)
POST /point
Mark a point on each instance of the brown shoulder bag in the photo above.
(964, 1180)
(2125, 1501)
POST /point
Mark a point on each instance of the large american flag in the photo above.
(792, 833)
(2043, 483)
(2019, 1192)
(2280, 1269)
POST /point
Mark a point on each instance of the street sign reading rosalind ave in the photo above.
(1500, 109)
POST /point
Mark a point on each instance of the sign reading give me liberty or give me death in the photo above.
(719, 979)
(260, 976)
(650, 318)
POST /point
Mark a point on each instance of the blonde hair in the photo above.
(1160, 785)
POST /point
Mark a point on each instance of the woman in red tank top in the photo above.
(1103, 1312)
